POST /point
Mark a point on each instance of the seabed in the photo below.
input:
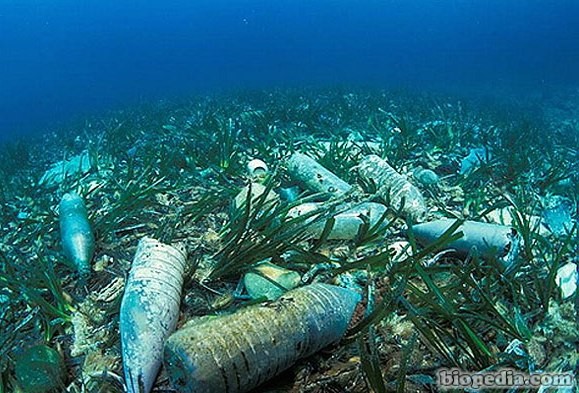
(172, 170)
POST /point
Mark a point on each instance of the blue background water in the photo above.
(67, 58)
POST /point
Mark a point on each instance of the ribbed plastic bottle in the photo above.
(393, 187)
(149, 310)
(237, 352)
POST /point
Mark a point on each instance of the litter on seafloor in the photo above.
(235, 353)
(149, 310)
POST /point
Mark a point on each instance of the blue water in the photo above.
(64, 59)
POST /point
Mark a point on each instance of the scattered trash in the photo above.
(355, 280)
(557, 214)
(270, 281)
(347, 224)
(518, 354)
(506, 216)
(257, 169)
(76, 233)
(426, 177)
(314, 176)
(289, 194)
(22, 215)
(256, 190)
(149, 310)
(132, 152)
(75, 166)
(160, 179)
(490, 240)
(237, 352)
(567, 279)
(474, 159)
(393, 188)
(40, 369)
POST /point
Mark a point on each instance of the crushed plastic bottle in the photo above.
(393, 187)
(235, 353)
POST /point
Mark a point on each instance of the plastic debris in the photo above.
(270, 281)
(356, 280)
(76, 233)
(149, 310)
(567, 279)
(75, 166)
(314, 176)
(237, 352)
(474, 159)
(40, 369)
(347, 224)
(557, 214)
(506, 216)
(256, 190)
(393, 188)
(257, 169)
(490, 240)
(289, 194)
(132, 152)
(22, 215)
(426, 177)
(518, 354)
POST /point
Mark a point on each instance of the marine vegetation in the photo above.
(176, 172)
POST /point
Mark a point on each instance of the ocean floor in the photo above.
(179, 173)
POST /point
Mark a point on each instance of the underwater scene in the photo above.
(289, 196)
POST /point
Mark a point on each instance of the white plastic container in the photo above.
(393, 188)
(149, 310)
(76, 233)
(237, 352)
